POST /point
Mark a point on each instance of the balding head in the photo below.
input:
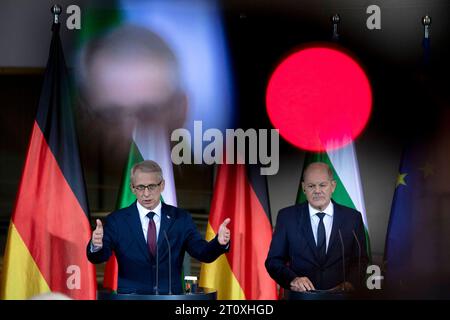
(127, 67)
(130, 73)
(318, 167)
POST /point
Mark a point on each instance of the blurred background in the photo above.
(227, 51)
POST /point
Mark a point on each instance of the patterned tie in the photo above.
(151, 234)
(321, 238)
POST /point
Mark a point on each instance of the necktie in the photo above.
(151, 234)
(321, 238)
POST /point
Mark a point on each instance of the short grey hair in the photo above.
(147, 166)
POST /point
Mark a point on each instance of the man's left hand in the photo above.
(224, 232)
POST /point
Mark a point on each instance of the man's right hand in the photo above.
(97, 235)
(302, 284)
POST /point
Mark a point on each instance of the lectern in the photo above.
(318, 295)
(199, 294)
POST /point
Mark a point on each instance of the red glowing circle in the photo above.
(319, 98)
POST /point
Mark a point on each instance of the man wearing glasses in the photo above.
(319, 244)
(139, 236)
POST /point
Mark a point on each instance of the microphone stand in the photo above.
(170, 262)
(343, 256)
(359, 254)
(157, 270)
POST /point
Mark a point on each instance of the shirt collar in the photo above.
(329, 210)
(144, 211)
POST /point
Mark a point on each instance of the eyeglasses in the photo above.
(150, 187)
(310, 187)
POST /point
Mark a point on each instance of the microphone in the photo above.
(157, 270)
(170, 262)
(343, 256)
(359, 254)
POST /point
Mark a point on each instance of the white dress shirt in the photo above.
(327, 221)
(145, 220)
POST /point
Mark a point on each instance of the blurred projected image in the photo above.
(146, 69)
(158, 61)
(130, 75)
(129, 80)
(195, 32)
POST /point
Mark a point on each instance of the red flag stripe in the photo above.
(251, 235)
(52, 223)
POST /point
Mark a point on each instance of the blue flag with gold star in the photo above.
(398, 241)
(417, 253)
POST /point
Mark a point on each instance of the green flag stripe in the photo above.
(96, 22)
(126, 197)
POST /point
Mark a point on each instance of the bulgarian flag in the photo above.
(348, 190)
(240, 193)
(49, 229)
(150, 142)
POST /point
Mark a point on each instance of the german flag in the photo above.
(240, 193)
(49, 229)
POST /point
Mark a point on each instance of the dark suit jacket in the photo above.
(137, 267)
(293, 249)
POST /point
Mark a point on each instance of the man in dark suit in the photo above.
(313, 241)
(137, 236)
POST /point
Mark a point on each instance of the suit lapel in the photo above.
(167, 218)
(334, 237)
(134, 223)
(304, 222)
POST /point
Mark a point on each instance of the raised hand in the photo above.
(224, 232)
(97, 235)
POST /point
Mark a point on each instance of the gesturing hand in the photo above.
(97, 235)
(224, 232)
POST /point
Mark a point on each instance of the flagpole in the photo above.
(335, 21)
(426, 22)
(56, 10)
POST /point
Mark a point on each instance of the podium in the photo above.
(318, 295)
(200, 294)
